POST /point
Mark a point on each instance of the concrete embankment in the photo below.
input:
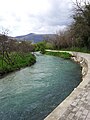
(82, 61)
(77, 105)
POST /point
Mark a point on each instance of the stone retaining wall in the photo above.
(82, 61)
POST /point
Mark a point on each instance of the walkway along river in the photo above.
(32, 93)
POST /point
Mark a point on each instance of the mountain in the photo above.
(34, 37)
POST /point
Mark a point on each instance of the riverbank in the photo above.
(64, 55)
(82, 61)
(20, 61)
(77, 104)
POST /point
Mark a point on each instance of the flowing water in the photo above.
(32, 93)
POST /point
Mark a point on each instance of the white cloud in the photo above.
(39, 16)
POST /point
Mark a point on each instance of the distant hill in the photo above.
(34, 37)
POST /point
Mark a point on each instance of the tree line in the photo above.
(78, 33)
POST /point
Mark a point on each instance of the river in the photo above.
(33, 92)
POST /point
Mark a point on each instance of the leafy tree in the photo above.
(40, 47)
(81, 24)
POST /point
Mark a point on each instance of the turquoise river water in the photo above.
(33, 92)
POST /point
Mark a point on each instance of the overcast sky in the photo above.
(34, 16)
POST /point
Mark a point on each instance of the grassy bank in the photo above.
(59, 54)
(19, 60)
(77, 49)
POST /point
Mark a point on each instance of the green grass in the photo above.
(20, 61)
(59, 54)
(77, 49)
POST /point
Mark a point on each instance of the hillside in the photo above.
(34, 37)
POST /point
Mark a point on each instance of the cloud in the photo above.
(39, 16)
